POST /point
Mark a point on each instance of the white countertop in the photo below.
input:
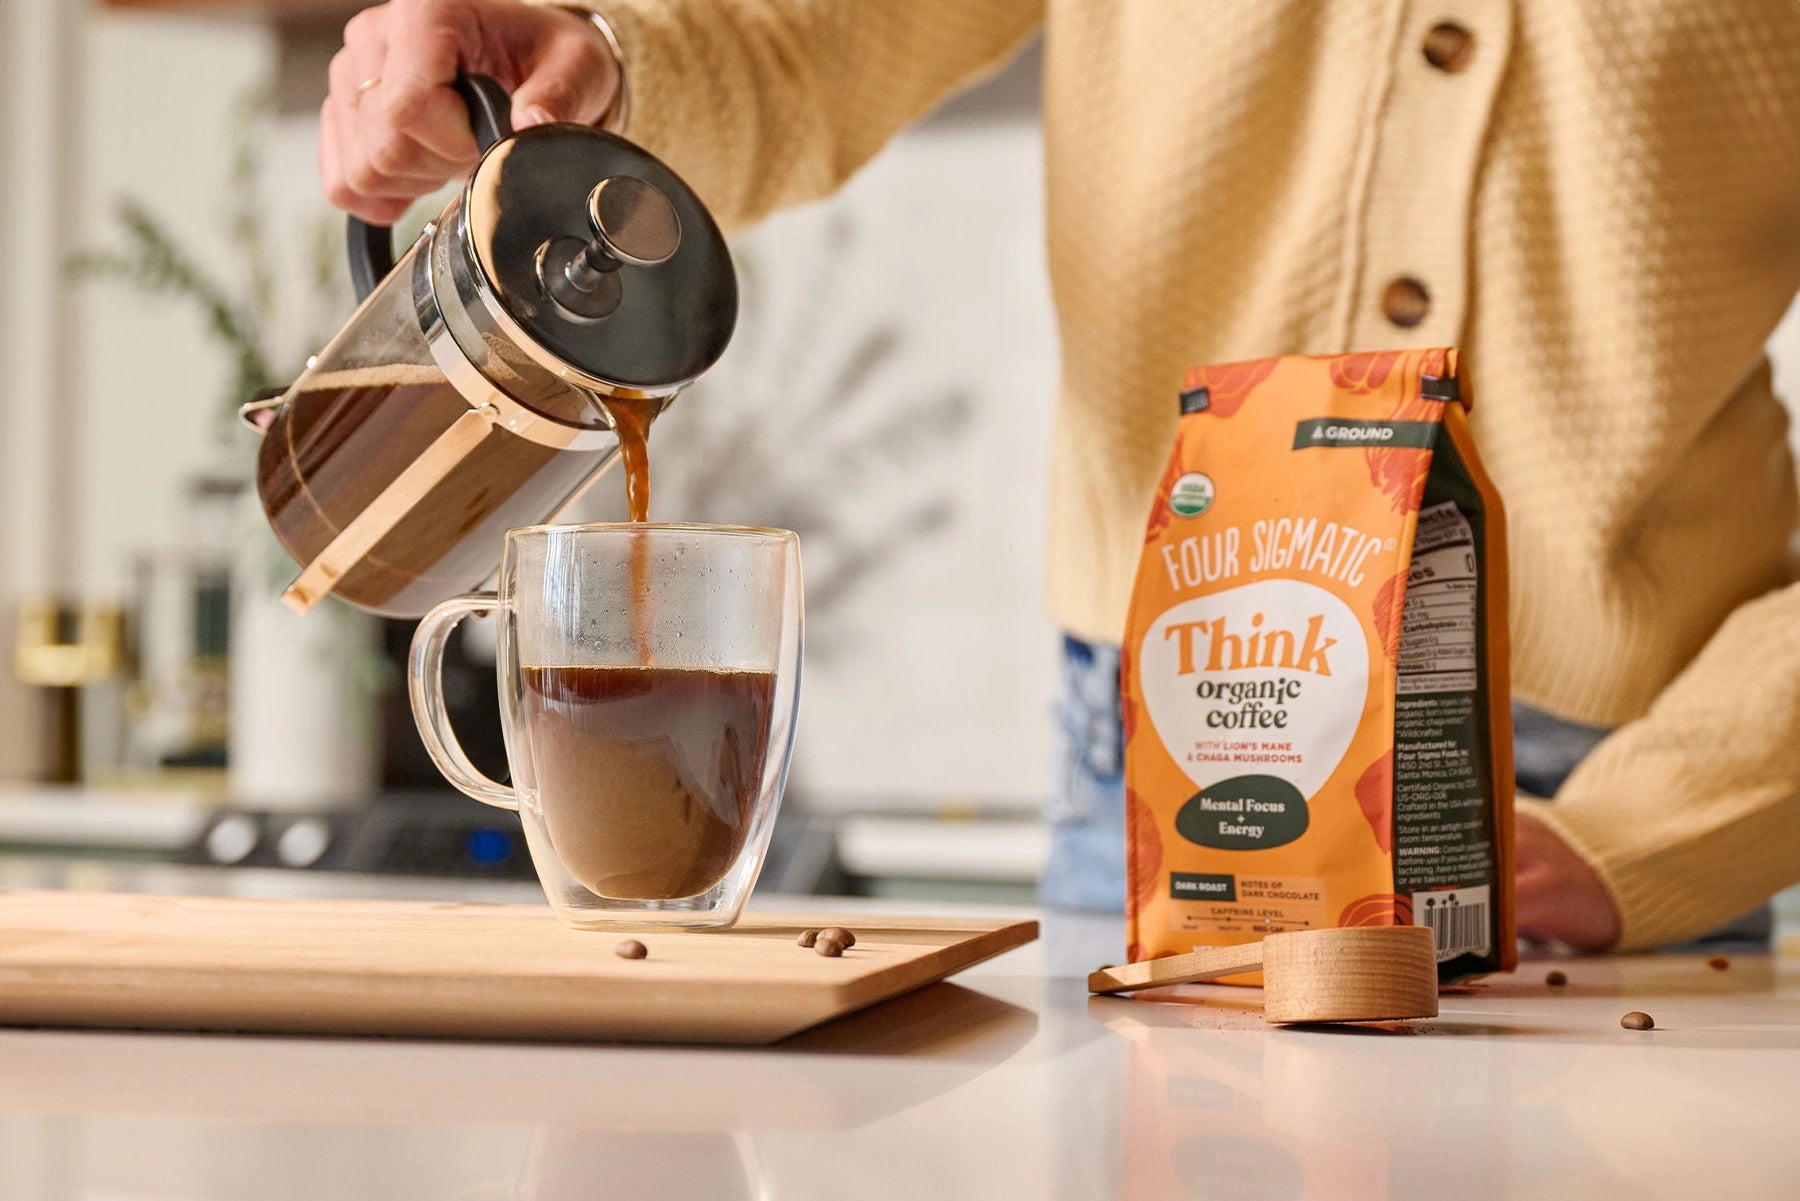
(1009, 1082)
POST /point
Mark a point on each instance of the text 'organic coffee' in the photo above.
(1314, 675)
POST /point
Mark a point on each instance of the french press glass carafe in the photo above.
(458, 401)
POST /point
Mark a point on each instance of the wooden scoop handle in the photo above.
(1208, 963)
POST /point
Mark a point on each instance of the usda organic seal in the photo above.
(1192, 495)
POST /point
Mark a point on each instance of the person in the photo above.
(1598, 200)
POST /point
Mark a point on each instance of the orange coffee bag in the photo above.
(1317, 721)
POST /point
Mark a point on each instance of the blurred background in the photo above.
(168, 251)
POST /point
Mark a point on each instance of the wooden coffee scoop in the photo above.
(1356, 974)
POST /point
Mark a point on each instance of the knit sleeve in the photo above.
(760, 104)
(1691, 814)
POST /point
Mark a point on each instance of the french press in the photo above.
(459, 399)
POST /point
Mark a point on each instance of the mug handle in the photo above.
(425, 686)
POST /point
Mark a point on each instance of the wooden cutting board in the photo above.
(450, 969)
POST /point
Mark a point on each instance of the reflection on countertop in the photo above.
(1008, 1082)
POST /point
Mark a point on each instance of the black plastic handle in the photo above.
(372, 246)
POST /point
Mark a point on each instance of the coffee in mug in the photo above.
(648, 775)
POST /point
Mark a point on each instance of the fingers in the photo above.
(395, 152)
(392, 128)
(369, 163)
(1558, 896)
(568, 75)
(333, 147)
(427, 43)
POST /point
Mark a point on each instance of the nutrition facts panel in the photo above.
(1437, 627)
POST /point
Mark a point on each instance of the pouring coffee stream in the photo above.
(631, 421)
(532, 333)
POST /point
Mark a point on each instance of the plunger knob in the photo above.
(634, 225)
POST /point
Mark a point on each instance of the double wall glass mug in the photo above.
(649, 676)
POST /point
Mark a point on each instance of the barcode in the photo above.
(1457, 916)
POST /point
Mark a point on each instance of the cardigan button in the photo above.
(1405, 302)
(1449, 47)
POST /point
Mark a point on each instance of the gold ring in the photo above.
(373, 81)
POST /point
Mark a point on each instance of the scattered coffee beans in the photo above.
(842, 935)
(807, 938)
(631, 948)
(828, 945)
(1637, 1020)
(1718, 963)
(1556, 979)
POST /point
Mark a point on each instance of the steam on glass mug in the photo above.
(649, 677)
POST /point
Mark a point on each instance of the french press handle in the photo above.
(372, 246)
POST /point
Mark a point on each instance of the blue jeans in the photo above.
(1086, 811)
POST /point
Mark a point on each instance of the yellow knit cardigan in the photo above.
(1601, 201)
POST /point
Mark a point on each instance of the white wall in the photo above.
(930, 679)
(39, 47)
(113, 387)
(104, 391)
(162, 89)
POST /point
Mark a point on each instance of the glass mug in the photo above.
(649, 676)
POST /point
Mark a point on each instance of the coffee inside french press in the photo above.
(346, 435)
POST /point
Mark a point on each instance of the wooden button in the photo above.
(1405, 302)
(1449, 47)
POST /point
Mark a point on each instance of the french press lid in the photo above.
(588, 250)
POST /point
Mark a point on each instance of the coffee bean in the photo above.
(1718, 963)
(842, 935)
(807, 938)
(829, 946)
(1637, 1020)
(631, 948)
(1556, 979)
